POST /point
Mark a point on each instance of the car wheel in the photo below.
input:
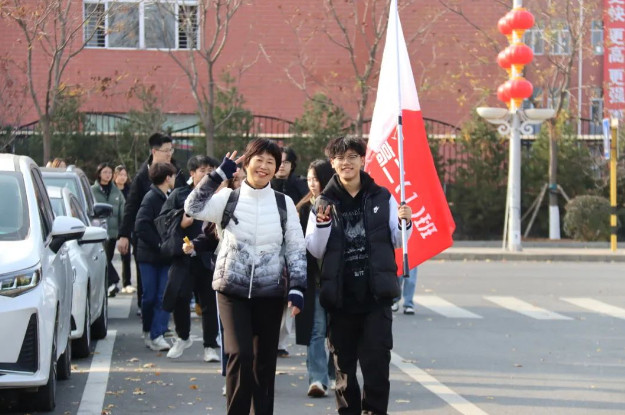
(100, 326)
(82, 347)
(45, 398)
(64, 365)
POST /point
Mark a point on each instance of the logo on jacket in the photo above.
(375, 209)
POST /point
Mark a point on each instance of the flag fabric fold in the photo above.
(431, 218)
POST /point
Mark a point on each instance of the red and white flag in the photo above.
(432, 222)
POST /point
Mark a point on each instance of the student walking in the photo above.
(261, 238)
(354, 228)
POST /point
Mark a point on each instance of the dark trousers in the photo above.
(113, 276)
(126, 274)
(202, 279)
(366, 338)
(251, 332)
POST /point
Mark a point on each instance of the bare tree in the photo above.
(13, 96)
(358, 28)
(52, 33)
(206, 29)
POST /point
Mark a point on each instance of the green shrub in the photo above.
(587, 218)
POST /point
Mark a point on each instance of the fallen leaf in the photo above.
(133, 359)
(518, 365)
(133, 379)
(192, 379)
(194, 387)
(402, 401)
(312, 405)
(138, 391)
(149, 365)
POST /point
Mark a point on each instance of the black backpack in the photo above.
(232, 204)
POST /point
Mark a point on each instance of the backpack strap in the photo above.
(229, 209)
(281, 202)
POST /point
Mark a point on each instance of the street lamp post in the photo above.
(514, 121)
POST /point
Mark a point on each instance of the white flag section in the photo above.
(395, 73)
(416, 180)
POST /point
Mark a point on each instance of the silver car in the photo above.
(35, 283)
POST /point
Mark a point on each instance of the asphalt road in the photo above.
(488, 338)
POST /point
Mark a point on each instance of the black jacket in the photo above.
(148, 237)
(138, 189)
(383, 281)
(294, 187)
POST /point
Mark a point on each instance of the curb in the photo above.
(461, 255)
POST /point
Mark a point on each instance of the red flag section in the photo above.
(432, 222)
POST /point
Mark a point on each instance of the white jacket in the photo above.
(249, 262)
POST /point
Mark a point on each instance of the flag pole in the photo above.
(400, 138)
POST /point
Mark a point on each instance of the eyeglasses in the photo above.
(286, 163)
(166, 150)
(351, 158)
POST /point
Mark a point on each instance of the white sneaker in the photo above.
(130, 289)
(333, 384)
(223, 391)
(146, 339)
(179, 347)
(159, 344)
(210, 355)
(317, 390)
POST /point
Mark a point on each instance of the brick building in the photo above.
(279, 52)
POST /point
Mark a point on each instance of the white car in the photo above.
(35, 283)
(88, 259)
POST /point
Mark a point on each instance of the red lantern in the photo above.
(520, 19)
(504, 25)
(519, 54)
(503, 92)
(520, 89)
(503, 59)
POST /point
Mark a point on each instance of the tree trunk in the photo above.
(44, 124)
(554, 212)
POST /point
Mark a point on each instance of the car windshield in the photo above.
(57, 206)
(14, 221)
(69, 182)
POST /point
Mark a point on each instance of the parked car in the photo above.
(88, 259)
(35, 283)
(77, 182)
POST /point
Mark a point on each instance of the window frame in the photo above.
(142, 40)
(596, 30)
(535, 36)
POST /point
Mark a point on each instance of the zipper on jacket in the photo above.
(249, 295)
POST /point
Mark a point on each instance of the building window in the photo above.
(596, 36)
(560, 41)
(141, 25)
(596, 116)
(534, 39)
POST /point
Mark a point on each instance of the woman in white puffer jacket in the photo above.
(249, 272)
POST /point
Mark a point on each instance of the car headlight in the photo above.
(12, 285)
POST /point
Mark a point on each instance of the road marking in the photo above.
(530, 310)
(95, 390)
(119, 307)
(596, 305)
(440, 306)
(433, 385)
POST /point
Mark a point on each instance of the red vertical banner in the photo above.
(614, 56)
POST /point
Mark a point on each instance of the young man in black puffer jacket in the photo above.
(355, 227)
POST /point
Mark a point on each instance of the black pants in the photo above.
(366, 338)
(202, 279)
(113, 276)
(126, 274)
(139, 287)
(251, 331)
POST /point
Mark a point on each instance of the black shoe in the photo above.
(112, 290)
(283, 353)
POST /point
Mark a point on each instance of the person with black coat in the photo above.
(191, 274)
(289, 183)
(354, 229)
(153, 265)
(310, 324)
(161, 151)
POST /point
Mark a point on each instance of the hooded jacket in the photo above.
(148, 237)
(383, 234)
(116, 199)
(251, 257)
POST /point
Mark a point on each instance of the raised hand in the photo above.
(323, 214)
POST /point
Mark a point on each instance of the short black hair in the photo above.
(160, 171)
(263, 145)
(290, 157)
(340, 145)
(157, 140)
(196, 162)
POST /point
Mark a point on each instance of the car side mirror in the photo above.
(65, 228)
(102, 210)
(93, 235)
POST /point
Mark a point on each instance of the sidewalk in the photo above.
(534, 251)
